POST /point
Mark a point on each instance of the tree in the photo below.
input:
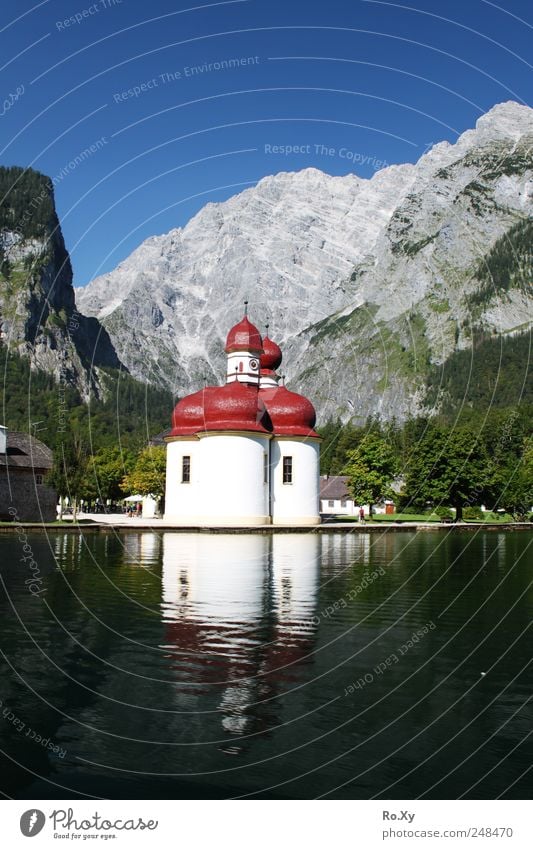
(514, 484)
(338, 439)
(69, 473)
(148, 474)
(447, 467)
(370, 469)
(106, 470)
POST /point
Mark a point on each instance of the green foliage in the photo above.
(473, 513)
(69, 474)
(412, 248)
(482, 457)
(512, 480)
(106, 470)
(129, 416)
(442, 512)
(338, 439)
(94, 444)
(370, 468)
(410, 510)
(492, 373)
(148, 474)
(26, 202)
(509, 264)
(27, 209)
(132, 413)
(447, 466)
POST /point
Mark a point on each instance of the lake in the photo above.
(177, 665)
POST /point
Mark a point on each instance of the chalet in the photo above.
(335, 499)
(24, 463)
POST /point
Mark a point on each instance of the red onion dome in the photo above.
(188, 416)
(271, 359)
(236, 406)
(291, 414)
(244, 337)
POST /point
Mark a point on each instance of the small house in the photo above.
(24, 463)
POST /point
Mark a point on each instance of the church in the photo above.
(245, 453)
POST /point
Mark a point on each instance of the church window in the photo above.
(186, 469)
(287, 470)
(265, 468)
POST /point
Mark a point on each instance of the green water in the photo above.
(287, 666)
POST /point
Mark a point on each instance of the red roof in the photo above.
(238, 406)
(244, 337)
(271, 359)
(291, 414)
(234, 406)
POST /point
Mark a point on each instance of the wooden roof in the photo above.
(26, 452)
(334, 487)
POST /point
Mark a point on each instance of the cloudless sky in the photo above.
(356, 85)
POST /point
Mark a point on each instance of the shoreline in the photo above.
(151, 526)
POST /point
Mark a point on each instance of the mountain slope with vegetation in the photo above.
(38, 315)
(61, 378)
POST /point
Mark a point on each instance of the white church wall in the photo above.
(295, 502)
(232, 468)
(181, 498)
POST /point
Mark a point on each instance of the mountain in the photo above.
(370, 286)
(38, 314)
(60, 371)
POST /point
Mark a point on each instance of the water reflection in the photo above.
(142, 549)
(214, 665)
(238, 613)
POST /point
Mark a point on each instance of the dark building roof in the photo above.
(334, 487)
(26, 452)
(159, 438)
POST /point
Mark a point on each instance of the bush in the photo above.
(411, 510)
(443, 512)
(473, 513)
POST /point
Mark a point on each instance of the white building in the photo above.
(335, 499)
(245, 453)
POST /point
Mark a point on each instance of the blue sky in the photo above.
(177, 104)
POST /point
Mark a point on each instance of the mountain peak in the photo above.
(508, 119)
(322, 257)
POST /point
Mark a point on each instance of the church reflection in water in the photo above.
(239, 613)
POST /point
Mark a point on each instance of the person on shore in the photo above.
(361, 515)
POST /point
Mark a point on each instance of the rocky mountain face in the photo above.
(368, 285)
(38, 314)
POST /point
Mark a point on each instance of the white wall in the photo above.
(233, 490)
(149, 507)
(337, 509)
(350, 509)
(295, 503)
(226, 485)
(181, 499)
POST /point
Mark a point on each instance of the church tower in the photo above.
(245, 453)
(244, 348)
